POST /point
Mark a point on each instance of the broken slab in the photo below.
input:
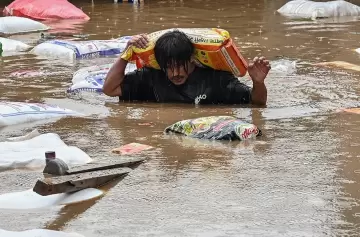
(79, 181)
(112, 164)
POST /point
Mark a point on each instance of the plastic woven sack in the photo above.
(13, 45)
(14, 25)
(13, 113)
(80, 49)
(213, 48)
(313, 10)
(92, 78)
(44, 9)
(215, 128)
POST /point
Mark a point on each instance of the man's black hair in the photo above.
(173, 50)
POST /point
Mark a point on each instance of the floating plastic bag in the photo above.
(93, 81)
(80, 49)
(213, 48)
(313, 10)
(30, 200)
(9, 45)
(283, 66)
(44, 9)
(12, 113)
(37, 233)
(14, 24)
(216, 128)
(30, 153)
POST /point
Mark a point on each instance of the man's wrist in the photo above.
(258, 84)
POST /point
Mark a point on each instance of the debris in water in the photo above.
(131, 148)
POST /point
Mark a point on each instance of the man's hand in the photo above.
(258, 70)
(139, 41)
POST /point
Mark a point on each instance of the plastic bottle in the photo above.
(54, 166)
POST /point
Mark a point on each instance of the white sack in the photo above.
(92, 78)
(12, 113)
(37, 233)
(9, 45)
(14, 24)
(313, 10)
(72, 50)
(30, 200)
(21, 153)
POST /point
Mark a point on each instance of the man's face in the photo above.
(178, 75)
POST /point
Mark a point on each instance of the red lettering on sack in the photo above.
(248, 131)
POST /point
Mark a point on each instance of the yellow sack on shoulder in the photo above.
(213, 48)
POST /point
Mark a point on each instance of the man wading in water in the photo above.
(180, 81)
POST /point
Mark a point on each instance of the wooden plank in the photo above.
(76, 182)
(112, 164)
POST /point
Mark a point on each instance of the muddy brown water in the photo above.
(300, 179)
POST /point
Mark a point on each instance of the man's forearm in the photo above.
(114, 78)
(259, 94)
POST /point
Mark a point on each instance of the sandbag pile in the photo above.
(59, 49)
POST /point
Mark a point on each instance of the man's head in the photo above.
(173, 52)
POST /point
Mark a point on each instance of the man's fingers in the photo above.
(145, 37)
(143, 42)
(139, 41)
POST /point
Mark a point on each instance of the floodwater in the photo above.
(301, 178)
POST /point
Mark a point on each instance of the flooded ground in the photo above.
(300, 178)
